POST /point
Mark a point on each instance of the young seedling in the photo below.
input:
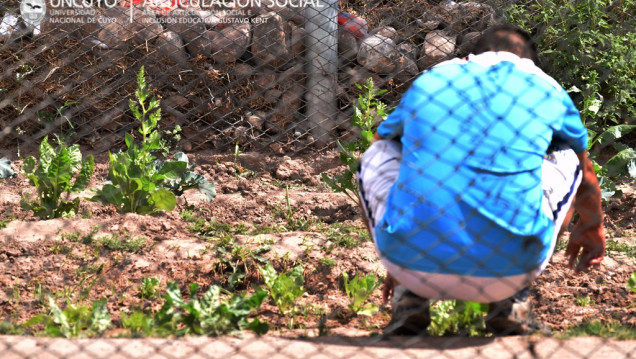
(585, 301)
(452, 317)
(358, 289)
(214, 315)
(284, 288)
(74, 321)
(631, 283)
(148, 287)
(52, 177)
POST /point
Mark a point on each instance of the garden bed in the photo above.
(268, 208)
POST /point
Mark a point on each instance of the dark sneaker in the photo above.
(410, 314)
(513, 316)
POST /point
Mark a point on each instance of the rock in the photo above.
(202, 44)
(467, 42)
(388, 31)
(297, 45)
(426, 25)
(243, 71)
(291, 169)
(292, 99)
(144, 27)
(265, 79)
(187, 24)
(10, 26)
(378, 53)
(360, 75)
(469, 16)
(256, 121)
(291, 77)
(209, 18)
(347, 47)
(438, 46)
(230, 43)
(171, 45)
(175, 101)
(272, 96)
(406, 68)
(408, 49)
(288, 13)
(271, 40)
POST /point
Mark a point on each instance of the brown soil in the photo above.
(41, 257)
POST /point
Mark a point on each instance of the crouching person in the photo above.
(471, 179)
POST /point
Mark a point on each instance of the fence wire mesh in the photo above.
(464, 209)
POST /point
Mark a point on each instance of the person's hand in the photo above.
(387, 288)
(587, 241)
(586, 247)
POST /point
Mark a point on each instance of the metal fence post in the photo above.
(322, 66)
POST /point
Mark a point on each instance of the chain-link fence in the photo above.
(480, 181)
(243, 72)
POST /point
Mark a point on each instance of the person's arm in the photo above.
(587, 240)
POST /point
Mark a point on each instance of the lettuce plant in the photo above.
(52, 177)
(358, 289)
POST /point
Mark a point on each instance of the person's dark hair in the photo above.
(507, 38)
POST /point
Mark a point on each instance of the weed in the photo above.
(581, 58)
(127, 243)
(8, 328)
(328, 262)
(621, 247)
(368, 112)
(140, 182)
(631, 283)
(5, 222)
(52, 176)
(358, 289)
(293, 221)
(585, 301)
(148, 287)
(598, 328)
(342, 235)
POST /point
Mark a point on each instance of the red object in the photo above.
(356, 25)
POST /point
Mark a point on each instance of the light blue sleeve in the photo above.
(393, 126)
(573, 132)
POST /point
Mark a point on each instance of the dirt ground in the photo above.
(274, 208)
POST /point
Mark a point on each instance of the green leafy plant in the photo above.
(293, 221)
(631, 283)
(452, 317)
(358, 289)
(588, 47)
(139, 181)
(623, 162)
(367, 113)
(211, 315)
(52, 177)
(284, 288)
(217, 312)
(585, 301)
(148, 287)
(125, 243)
(74, 321)
(603, 329)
